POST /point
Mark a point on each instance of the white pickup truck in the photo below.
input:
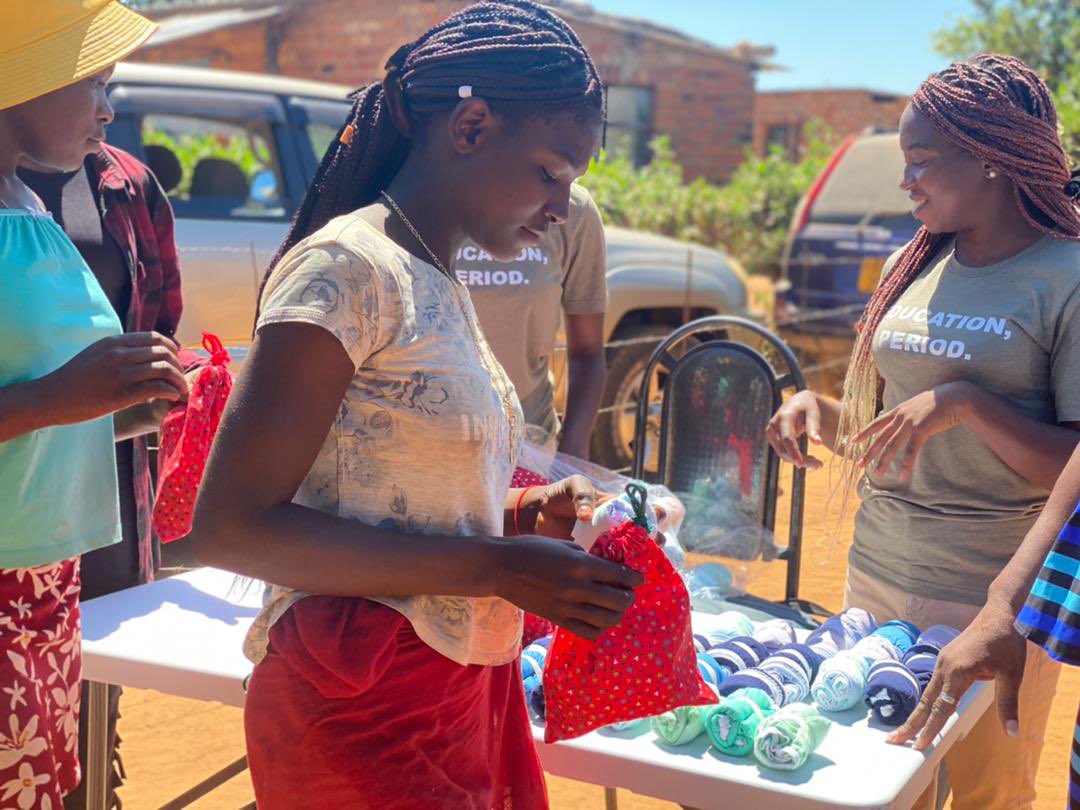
(235, 153)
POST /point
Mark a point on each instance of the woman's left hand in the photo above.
(989, 649)
(561, 504)
(902, 431)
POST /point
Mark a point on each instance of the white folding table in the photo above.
(182, 636)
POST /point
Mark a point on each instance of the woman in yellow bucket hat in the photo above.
(65, 369)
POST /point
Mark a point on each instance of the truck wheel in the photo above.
(612, 443)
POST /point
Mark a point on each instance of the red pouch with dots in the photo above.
(187, 432)
(645, 665)
(535, 628)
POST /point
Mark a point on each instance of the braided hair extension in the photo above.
(999, 110)
(516, 55)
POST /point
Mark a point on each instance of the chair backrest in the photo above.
(718, 400)
(165, 165)
(718, 396)
(217, 177)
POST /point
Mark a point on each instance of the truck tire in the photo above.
(612, 443)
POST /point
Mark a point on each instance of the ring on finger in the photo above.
(948, 699)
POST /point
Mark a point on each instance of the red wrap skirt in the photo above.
(351, 709)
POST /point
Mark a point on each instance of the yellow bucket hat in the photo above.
(49, 44)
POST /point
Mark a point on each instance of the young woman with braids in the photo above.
(364, 460)
(962, 401)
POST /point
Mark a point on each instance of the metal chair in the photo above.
(718, 397)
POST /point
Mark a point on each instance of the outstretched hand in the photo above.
(989, 649)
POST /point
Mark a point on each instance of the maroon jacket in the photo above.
(137, 214)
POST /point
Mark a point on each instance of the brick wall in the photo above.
(702, 97)
(242, 47)
(844, 111)
(323, 40)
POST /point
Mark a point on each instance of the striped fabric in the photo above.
(1051, 619)
(738, 654)
(892, 692)
(1074, 769)
(1051, 616)
(754, 678)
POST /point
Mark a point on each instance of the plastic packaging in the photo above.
(555, 466)
(711, 534)
(722, 537)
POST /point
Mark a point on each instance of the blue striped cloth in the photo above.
(892, 692)
(1074, 768)
(1051, 619)
(1051, 616)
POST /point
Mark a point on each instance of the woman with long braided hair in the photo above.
(962, 401)
(363, 463)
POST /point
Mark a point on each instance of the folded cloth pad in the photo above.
(785, 740)
(841, 632)
(876, 648)
(796, 665)
(755, 678)
(902, 634)
(728, 625)
(892, 692)
(532, 673)
(738, 654)
(841, 681)
(733, 724)
(710, 670)
(701, 642)
(774, 634)
(680, 726)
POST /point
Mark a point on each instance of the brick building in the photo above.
(660, 81)
(781, 117)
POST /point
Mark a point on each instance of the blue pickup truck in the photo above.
(849, 222)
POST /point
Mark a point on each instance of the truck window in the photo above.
(216, 168)
(865, 185)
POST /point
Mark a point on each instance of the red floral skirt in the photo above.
(350, 709)
(40, 675)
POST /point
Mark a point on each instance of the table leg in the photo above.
(611, 799)
(96, 771)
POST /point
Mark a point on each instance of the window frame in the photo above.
(793, 132)
(643, 132)
(132, 102)
(303, 111)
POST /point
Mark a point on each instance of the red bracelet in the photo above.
(517, 506)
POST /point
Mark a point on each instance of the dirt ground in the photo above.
(170, 744)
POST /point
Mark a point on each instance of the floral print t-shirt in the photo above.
(421, 442)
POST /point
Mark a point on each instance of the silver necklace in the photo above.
(412, 229)
(483, 348)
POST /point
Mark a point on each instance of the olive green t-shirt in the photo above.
(520, 303)
(1013, 329)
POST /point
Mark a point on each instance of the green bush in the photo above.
(748, 217)
(1067, 101)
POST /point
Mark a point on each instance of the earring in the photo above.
(991, 174)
